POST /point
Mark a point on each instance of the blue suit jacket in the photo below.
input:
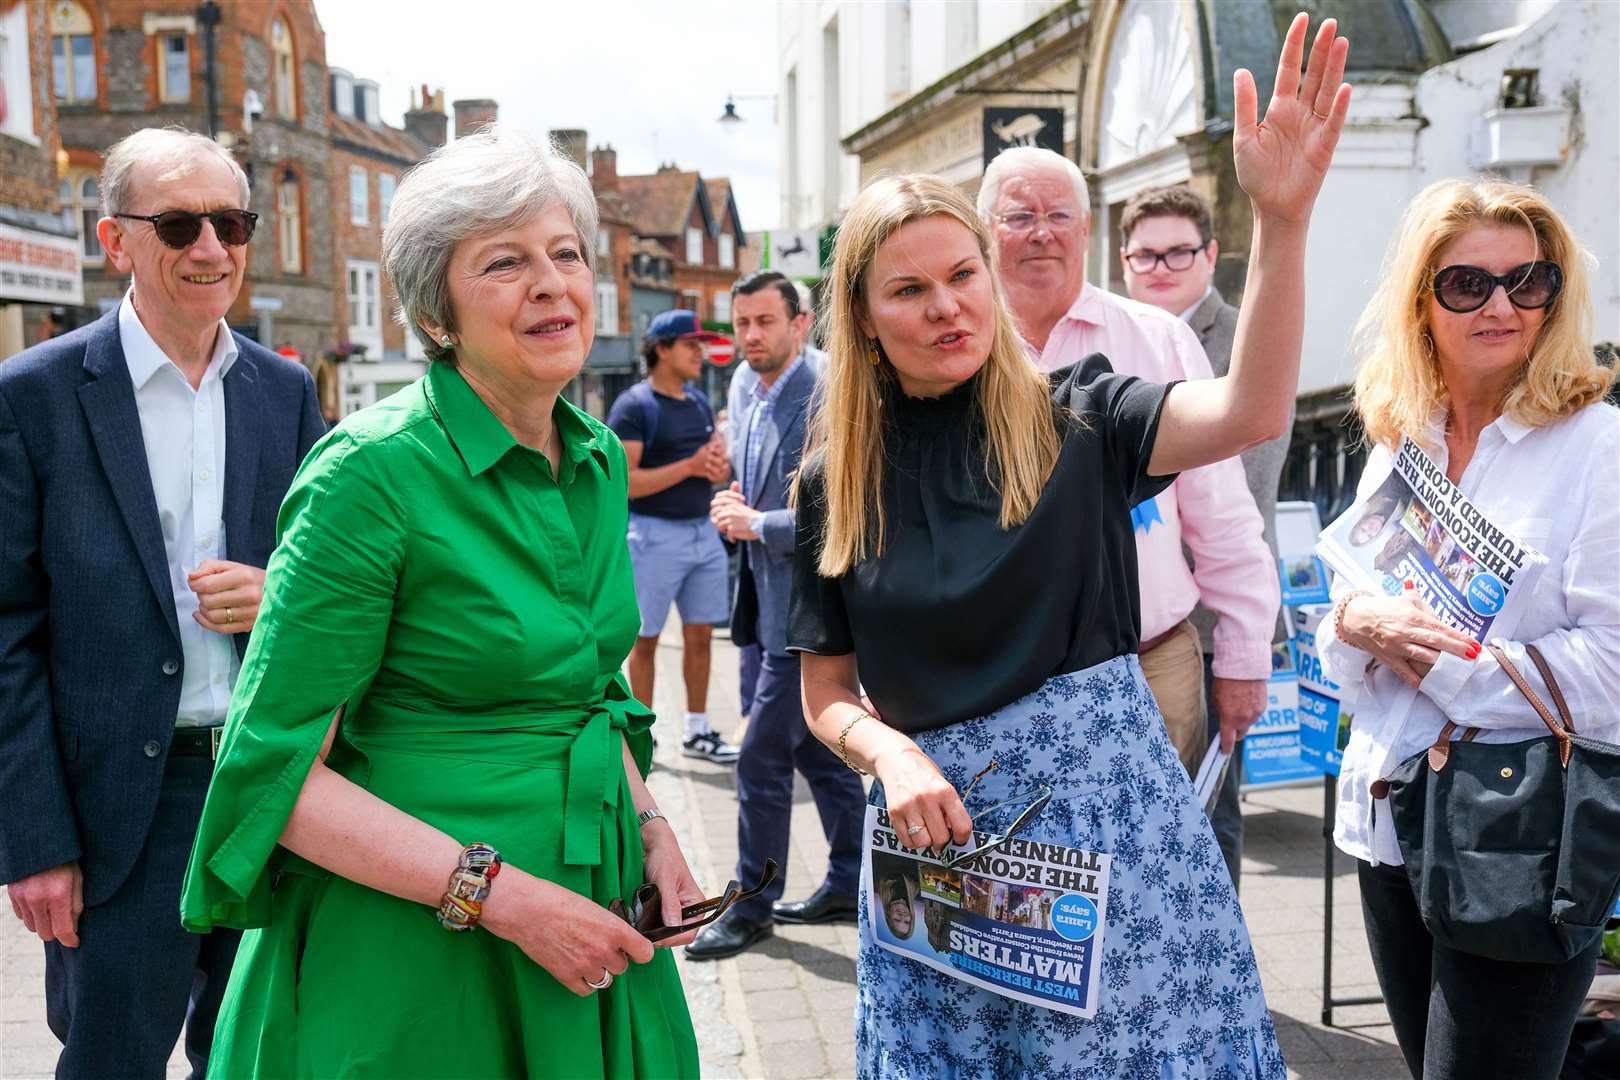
(765, 571)
(90, 658)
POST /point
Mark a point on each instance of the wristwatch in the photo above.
(756, 524)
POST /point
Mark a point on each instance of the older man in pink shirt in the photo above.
(1036, 204)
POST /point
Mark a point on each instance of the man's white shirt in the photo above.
(183, 431)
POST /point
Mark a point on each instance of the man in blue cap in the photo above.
(676, 457)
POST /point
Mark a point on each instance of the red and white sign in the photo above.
(720, 353)
(39, 267)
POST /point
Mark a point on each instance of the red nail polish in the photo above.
(1410, 584)
(1473, 652)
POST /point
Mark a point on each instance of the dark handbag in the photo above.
(1512, 849)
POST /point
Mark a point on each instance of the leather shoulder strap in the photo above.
(1552, 685)
(1553, 725)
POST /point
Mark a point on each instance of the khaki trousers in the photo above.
(1175, 673)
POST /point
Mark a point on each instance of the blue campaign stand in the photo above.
(1324, 725)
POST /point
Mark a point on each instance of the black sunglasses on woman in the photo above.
(1463, 288)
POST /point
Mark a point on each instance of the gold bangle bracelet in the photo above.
(843, 740)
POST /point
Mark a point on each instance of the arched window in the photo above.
(73, 53)
(283, 71)
(290, 224)
(80, 196)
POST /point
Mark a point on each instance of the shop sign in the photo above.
(39, 267)
(1006, 127)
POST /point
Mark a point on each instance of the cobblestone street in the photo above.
(784, 1009)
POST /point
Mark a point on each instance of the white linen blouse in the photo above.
(1557, 488)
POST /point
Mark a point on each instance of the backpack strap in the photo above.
(642, 395)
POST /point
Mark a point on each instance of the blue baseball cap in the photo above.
(680, 323)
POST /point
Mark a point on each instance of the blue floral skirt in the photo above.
(1179, 996)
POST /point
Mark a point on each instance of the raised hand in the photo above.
(1282, 160)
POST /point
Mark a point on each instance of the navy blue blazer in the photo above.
(90, 658)
(759, 611)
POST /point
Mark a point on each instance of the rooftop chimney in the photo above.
(472, 114)
(605, 168)
(426, 120)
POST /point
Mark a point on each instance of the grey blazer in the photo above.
(765, 568)
(1215, 323)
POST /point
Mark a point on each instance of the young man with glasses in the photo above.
(142, 460)
(1168, 250)
(1038, 209)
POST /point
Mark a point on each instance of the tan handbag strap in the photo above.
(1552, 685)
(1553, 725)
(1440, 752)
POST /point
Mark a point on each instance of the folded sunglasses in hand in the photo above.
(645, 911)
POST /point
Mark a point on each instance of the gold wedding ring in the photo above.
(228, 616)
(1318, 115)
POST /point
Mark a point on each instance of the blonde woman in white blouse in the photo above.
(1478, 346)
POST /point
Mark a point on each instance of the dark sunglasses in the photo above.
(1033, 799)
(180, 228)
(1467, 288)
(645, 911)
(1180, 258)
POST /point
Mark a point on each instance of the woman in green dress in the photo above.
(436, 669)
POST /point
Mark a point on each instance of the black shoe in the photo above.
(824, 906)
(728, 935)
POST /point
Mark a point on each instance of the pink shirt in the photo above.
(1209, 509)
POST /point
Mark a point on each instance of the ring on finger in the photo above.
(913, 830)
(606, 981)
(229, 616)
(1318, 115)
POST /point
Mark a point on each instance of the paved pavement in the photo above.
(785, 1008)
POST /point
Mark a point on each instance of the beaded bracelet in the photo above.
(843, 739)
(469, 885)
(1338, 613)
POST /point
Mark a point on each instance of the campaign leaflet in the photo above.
(1025, 921)
(1418, 526)
(1324, 716)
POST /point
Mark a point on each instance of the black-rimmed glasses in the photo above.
(1468, 288)
(1176, 259)
(179, 229)
(645, 911)
(1033, 799)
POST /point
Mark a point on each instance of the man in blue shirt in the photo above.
(676, 457)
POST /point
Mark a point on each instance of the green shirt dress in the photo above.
(472, 611)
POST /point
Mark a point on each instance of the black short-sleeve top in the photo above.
(957, 618)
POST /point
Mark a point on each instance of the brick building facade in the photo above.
(39, 264)
(118, 66)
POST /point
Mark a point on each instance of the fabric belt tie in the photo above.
(594, 767)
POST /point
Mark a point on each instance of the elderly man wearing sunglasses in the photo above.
(142, 459)
(1477, 346)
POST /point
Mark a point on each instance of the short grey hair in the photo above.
(1029, 157)
(496, 179)
(172, 151)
